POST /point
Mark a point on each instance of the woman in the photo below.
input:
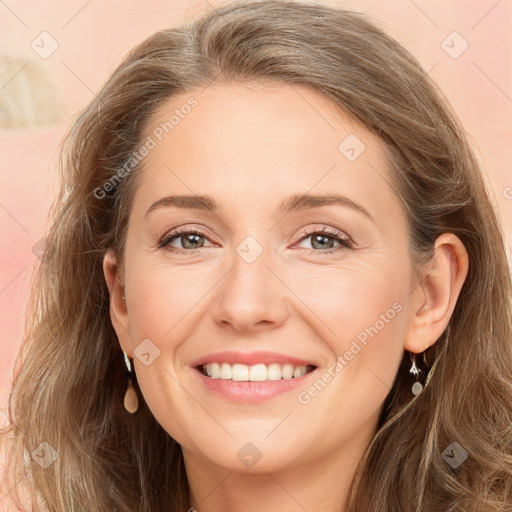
(271, 223)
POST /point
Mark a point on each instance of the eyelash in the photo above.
(344, 241)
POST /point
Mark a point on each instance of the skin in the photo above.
(250, 146)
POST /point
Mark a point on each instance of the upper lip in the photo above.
(251, 358)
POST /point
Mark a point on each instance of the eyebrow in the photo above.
(295, 202)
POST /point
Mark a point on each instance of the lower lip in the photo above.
(253, 391)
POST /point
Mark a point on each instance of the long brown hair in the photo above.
(69, 381)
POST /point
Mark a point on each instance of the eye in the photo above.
(190, 241)
(326, 240)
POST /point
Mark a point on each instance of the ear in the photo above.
(118, 309)
(435, 299)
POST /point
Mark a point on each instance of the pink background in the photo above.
(93, 36)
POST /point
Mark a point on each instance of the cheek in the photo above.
(164, 308)
(161, 296)
(165, 397)
(355, 302)
(364, 310)
(366, 317)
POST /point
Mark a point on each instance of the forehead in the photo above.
(253, 139)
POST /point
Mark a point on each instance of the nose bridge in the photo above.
(251, 295)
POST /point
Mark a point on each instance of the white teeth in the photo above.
(225, 371)
(213, 370)
(274, 371)
(239, 372)
(258, 372)
(287, 371)
(297, 372)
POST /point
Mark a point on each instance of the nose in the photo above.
(251, 297)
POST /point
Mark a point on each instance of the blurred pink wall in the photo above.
(93, 36)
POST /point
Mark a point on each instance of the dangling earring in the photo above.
(417, 387)
(131, 402)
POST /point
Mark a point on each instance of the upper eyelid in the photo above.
(174, 234)
(303, 234)
(330, 231)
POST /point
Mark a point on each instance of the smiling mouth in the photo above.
(255, 373)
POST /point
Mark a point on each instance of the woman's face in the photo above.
(254, 286)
